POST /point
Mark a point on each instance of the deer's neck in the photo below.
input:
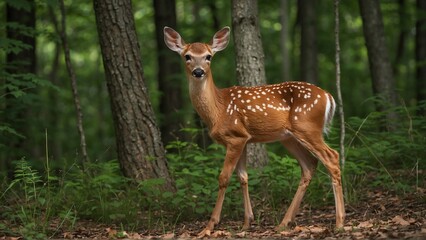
(206, 99)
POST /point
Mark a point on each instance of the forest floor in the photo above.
(380, 215)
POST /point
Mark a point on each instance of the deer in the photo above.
(297, 114)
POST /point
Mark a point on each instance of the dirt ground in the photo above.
(381, 215)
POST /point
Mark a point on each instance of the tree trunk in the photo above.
(308, 41)
(139, 147)
(400, 47)
(380, 67)
(249, 61)
(169, 78)
(421, 53)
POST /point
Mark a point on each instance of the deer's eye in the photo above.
(187, 57)
(208, 57)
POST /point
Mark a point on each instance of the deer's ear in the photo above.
(220, 40)
(173, 40)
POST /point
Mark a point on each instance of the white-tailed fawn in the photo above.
(294, 113)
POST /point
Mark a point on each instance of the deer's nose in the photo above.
(198, 72)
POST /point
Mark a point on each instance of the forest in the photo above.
(100, 135)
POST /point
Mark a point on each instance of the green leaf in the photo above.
(200, 210)
(11, 131)
(41, 200)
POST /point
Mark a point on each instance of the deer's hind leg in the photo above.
(308, 164)
(329, 157)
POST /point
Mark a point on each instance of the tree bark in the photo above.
(169, 78)
(139, 147)
(308, 41)
(380, 66)
(421, 53)
(249, 61)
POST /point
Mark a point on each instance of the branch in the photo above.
(339, 92)
(71, 73)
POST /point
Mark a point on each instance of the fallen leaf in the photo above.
(134, 236)
(111, 232)
(67, 235)
(241, 234)
(185, 235)
(168, 236)
(421, 190)
(287, 233)
(317, 229)
(357, 234)
(348, 228)
(365, 224)
(266, 233)
(401, 221)
(299, 229)
(220, 233)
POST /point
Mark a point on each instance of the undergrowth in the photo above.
(39, 203)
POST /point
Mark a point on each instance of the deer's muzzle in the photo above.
(198, 73)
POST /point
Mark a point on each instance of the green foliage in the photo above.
(389, 157)
(375, 160)
(195, 169)
(278, 181)
(29, 203)
(62, 193)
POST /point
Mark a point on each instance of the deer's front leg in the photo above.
(243, 177)
(234, 148)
